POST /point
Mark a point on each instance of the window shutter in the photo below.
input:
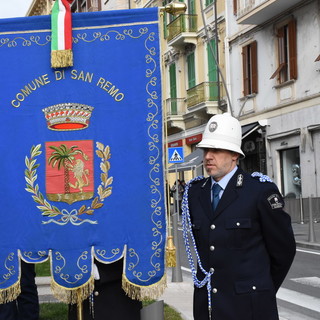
(276, 73)
(281, 54)
(245, 74)
(192, 7)
(191, 71)
(254, 66)
(212, 66)
(292, 30)
(235, 7)
(173, 88)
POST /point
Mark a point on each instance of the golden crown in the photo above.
(68, 116)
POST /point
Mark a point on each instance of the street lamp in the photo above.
(175, 8)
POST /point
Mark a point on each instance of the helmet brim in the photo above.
(208, 143)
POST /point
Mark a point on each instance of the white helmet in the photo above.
(222, 132)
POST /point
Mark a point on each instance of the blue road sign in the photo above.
(175, 155)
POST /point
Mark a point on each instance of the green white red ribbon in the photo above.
(61, 35)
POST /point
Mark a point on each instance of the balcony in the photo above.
(259, 11)
(203, 98)
(182, 30)
(175, 111)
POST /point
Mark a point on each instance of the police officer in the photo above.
(243, 236)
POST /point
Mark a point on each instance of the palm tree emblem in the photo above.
(63, 157)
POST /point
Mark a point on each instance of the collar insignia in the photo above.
(240, 180)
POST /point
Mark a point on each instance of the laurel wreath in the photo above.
(104, 189)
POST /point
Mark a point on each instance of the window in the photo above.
(287, 53)
(192, 11)
(290, 172)
(191, 71)
(250, 69)
(208, 2)
(173, 88)
(191, 7)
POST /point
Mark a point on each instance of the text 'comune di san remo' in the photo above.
(43, 80)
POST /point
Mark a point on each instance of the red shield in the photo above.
(69, 170)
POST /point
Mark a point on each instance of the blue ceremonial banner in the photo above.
(82, 158)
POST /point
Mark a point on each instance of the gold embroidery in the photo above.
(104, 189)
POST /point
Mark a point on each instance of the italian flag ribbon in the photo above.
(61, 35)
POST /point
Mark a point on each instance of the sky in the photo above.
(14, 8)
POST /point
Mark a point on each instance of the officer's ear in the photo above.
(235, 156)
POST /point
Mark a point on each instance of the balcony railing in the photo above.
(175, 106)
(183, 23)
(206, 91)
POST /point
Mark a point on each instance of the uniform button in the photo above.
(254, 288)
(214, 290)
(212, 248)
(212, 227)
(96, 293)
(238, 224)
(211, 270)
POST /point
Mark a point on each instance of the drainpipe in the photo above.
(217, 50)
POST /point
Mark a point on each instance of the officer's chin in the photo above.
(210, 171)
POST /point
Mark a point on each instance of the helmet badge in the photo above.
(213, 126)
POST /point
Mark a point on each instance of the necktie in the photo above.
(215, 195)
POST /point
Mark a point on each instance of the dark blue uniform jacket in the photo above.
(248, 242)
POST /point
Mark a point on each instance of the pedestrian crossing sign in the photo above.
(175, 155)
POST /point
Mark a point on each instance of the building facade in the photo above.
(40, 7)
(273, 74)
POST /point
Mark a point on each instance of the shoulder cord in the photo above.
(187, 230)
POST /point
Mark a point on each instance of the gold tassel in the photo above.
(61, 58)
(170, 253)
(10, 294)
(141, 293)
(72, 296)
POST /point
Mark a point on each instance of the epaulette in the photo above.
(261, 177)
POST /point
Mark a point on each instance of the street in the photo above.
(299, 295)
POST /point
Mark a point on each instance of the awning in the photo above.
(191, 161)
(249, 128)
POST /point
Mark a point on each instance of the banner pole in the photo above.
(79, 307)
(174, 8)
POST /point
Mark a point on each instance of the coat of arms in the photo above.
(69, 168)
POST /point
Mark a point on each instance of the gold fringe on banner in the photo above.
(170, 253)
(72, 296)
(61, 58)
(10, 294)
(142, 293)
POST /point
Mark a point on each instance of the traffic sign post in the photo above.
(175, 155)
